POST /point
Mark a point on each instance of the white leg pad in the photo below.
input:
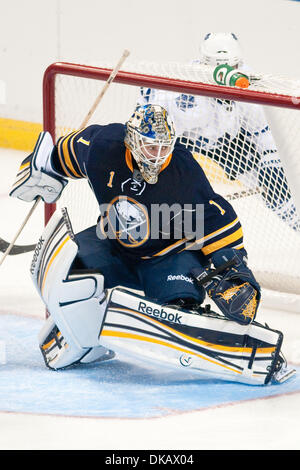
(80, 317)
(207, 343)
(57, 353)
(76, 302)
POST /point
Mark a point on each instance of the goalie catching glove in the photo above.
(231, 285)
(36, 177)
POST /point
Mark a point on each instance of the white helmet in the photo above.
(221, 48)
(150, 135)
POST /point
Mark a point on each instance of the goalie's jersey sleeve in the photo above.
(198, 218)
(72, 151)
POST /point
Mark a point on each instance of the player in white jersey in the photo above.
(236, 135)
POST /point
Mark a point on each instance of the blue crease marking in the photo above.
(114, 389)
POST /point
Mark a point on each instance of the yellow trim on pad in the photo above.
(19, 135)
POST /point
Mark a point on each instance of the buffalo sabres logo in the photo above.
(128, 221)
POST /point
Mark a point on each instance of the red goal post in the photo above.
(271, 92)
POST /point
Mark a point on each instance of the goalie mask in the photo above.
(221, 48)
(150, 136)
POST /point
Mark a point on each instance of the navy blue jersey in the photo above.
(180, 212)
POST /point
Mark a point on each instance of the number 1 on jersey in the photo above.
(111, 177)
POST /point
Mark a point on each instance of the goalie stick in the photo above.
(211, 274)
(16, 249)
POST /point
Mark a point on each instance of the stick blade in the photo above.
(16, 249)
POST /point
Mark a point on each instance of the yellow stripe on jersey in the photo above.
(239, 247)
(61, 157)
(200, 241)
(208, 249)
(67, 157)
(83, 141)
(73, 151)
(167, 249)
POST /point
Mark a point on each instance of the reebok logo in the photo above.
(36, 254)
(159, 313)
(180, 277)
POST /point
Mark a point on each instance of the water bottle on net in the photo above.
(226, 75)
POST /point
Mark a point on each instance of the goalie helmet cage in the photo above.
(69, 91)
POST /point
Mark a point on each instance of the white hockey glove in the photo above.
(36, 177)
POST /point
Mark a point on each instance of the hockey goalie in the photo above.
(163, 231)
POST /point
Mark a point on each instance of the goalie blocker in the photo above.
(83, 326)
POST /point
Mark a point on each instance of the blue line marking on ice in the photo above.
(114, 389)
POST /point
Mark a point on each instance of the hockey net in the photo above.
(224, 127)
